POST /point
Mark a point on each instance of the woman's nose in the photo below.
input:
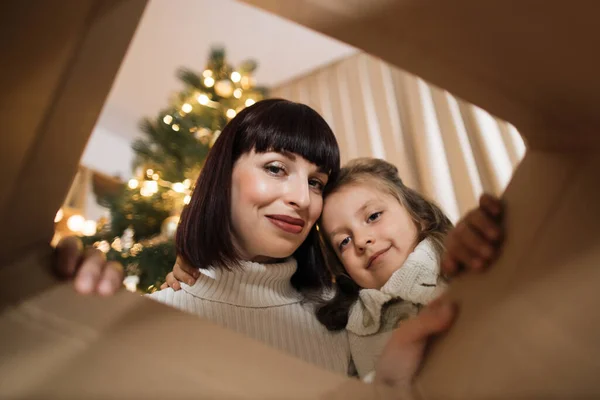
(298, 195)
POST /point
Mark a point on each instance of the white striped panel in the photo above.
(373, 129)
(438, 163)
(346, 111)
(495, 150)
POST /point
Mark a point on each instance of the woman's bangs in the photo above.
(297, 129)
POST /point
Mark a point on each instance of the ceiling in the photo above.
(180, 33)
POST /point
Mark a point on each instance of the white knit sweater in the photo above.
(377, 312)
(259, 301)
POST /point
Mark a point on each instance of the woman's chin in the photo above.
(273, 255)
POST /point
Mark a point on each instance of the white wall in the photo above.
(108, 153)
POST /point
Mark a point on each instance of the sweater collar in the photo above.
(250, 284)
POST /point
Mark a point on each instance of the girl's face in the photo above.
(276, 199)
(370, 231)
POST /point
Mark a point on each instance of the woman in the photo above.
(249, 229)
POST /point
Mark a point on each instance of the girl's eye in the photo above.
(344, 242)
(374, 216)
(275, 169)
(316, 184)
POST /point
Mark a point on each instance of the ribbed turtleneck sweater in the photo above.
(259, 301)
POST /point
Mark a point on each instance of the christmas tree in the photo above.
(145, 211)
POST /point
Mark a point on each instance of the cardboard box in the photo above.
(527, 329)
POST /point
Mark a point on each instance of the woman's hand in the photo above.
(91, 273)
(475, 241)
(402, 356)
(182, 272)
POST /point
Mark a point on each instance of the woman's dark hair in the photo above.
(204, 235)
(430, 220)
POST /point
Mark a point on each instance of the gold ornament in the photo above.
(224, 88)
(169, 227)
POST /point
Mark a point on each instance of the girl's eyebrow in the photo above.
(361, 210)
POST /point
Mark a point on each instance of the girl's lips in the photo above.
(376, 256)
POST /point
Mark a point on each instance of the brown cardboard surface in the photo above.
(62, 345)
(529, 327)
(57, 71)
(529, 62)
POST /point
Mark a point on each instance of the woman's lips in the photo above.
(287, 223)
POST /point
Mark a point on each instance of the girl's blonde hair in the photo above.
(429, 219)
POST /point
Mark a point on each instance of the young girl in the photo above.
(384, 242)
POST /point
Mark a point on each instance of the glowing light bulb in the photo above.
(89, 228)
(187, 199)
(75, 223)
(178, 187)
(249, 102)
(175, 127)
(209, 82)
(133, 183)
(167, 119)
(149, 188)
(203, 99)
(235, 76)
(186, 108)
(237, 93)
(207, 73)
(230, 113)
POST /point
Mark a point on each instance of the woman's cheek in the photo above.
(316, 208)
(255, 189)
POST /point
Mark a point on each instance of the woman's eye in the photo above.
(275, 169)
(317, 184)
(374, 216)
(344, 242)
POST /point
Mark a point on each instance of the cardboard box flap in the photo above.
(57, 73)
(533, 63)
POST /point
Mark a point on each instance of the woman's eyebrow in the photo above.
(292, 157)
(287, 154)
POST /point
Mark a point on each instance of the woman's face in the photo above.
(276, 198)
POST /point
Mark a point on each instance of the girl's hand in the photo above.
(402, 356)
(182, 272)
(476, 240)
(90, 271)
